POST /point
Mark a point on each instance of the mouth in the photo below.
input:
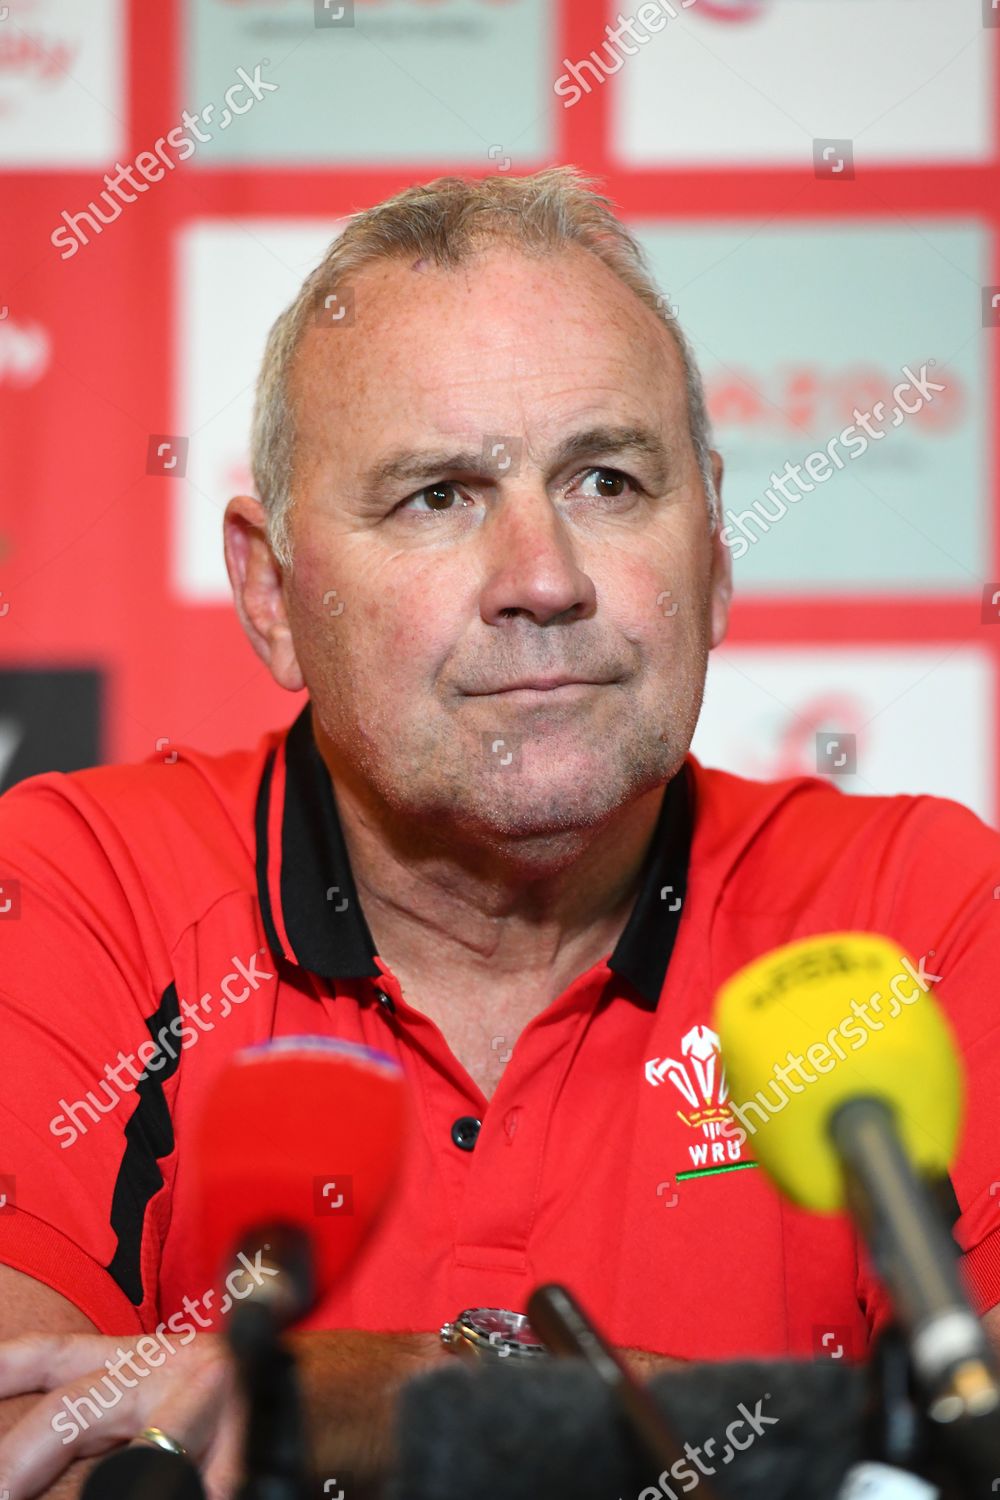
(543, 685)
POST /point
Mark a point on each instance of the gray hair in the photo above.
(446, 221)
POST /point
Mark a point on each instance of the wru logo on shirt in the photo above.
(700, 1076)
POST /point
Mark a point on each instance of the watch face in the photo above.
(496, 1323)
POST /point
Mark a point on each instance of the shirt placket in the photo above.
(492, 1184)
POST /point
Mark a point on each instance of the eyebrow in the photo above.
(413, 467)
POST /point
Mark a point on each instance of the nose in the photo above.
(532, 562)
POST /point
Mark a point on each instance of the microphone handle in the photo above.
(918, 1259)
(560, 1321)
(276, 1466)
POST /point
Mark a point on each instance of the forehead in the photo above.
(503, 342)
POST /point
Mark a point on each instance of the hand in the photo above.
(642, 1364)
(350, 1380)
(191, 1394)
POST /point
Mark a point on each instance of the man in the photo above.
(488, 548)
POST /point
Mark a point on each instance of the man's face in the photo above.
(457, 578)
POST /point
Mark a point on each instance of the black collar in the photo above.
(304, 885)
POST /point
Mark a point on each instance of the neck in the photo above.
(524, 913)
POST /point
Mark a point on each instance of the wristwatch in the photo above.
(491, 1333)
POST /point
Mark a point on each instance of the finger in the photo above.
(193, 1411)
(44, 1362)
(95, 1413)
(78, 1421)
(222, 1468)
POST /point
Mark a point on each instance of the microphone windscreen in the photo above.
(819, 1022)
(302, 1131)
(143, 1473)
(553, 1429)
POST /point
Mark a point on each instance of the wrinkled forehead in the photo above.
(502, 343)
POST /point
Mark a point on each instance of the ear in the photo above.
(256, 578)
(721, 583)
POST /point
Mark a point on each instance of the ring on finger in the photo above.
(161, 1439)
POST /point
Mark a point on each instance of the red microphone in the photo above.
(298, 1149)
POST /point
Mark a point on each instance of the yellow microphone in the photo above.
(893, 1042)
(843, 1071)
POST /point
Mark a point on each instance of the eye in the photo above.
(437, 497)
(610, 483)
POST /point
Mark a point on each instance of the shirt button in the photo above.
(465, 1132)
(386, 1000)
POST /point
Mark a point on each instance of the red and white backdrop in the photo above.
(817, 183)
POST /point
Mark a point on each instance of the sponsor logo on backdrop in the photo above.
(911, 719)
(745, 528)
(831, 358)
(35, 55)
(62, 86)
(817, 397)
(793, 750)
(724, 85)
(270, 7)
(732, 10)
(469, 73)
(427, 17)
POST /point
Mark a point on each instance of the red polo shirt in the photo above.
(214, 894)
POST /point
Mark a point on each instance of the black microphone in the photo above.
(553, 1428)
(143, 1473)
(561, 1323)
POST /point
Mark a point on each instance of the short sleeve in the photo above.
(941, 870)
(85, 1137)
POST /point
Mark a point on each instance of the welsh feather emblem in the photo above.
(699, 1076)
